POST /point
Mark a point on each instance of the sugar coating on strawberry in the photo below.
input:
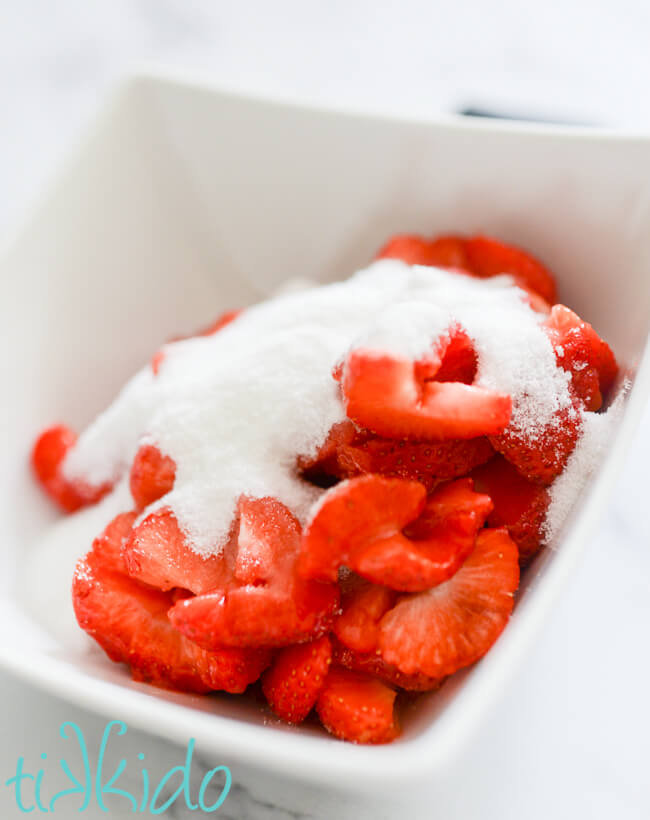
(543, 457)
(236, 410)
(437, 632)
(295, 679)
(358, 708)
(581, 352)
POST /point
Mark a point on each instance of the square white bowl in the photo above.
(185, 201)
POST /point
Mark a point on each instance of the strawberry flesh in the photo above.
(519, 504)
(266, 602)
(362, 524)
(489, 257)
(152, 476)
(371, 663)
(443, 252)
(129, 621)
(158, 553)
(441, 630)
(397, 397)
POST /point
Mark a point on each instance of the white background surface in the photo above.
(571, 736)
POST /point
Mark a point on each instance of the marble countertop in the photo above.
(570, 735)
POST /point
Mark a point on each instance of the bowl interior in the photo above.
(184, 202)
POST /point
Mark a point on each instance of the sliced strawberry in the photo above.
(358, 708)
(326, 460)
(362, 524)
(459, 361)
(443, 252)
(362, 606)
(353, 514)
(543, 457)
(47, 458)
(519, 504)
(108, 546)
(580, 351)
(396, 397)
(296, 678)
(425, 461)
(157, 553)
(446, 628)
(371, 663)
(266, 603)
(490, 257)
(129, 621)
(152, 476)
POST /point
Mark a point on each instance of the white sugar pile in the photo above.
(597, 431)
(235, 409)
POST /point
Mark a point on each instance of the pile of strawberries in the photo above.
(408, 567)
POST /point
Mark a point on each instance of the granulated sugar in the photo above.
(234, 410)
(597, 431)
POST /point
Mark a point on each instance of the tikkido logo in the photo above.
(30, 790)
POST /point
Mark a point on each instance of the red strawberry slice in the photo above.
(362, 524)
(129, 621)
(108, 546)
(396, 397)
(152, 476)
(519, 504)
(542, 458)
(362, 606)
(47, 457)
(326, 461)
(296, 678)
(459, 361)
(425, 461)
(580, 351)
(357, 707)
(490, 257)
(266, 603)
(443, 252)
(446, 628)
(353, 514)
(157, 553)
(371, 663)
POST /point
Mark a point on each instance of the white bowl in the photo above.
(185, 201)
